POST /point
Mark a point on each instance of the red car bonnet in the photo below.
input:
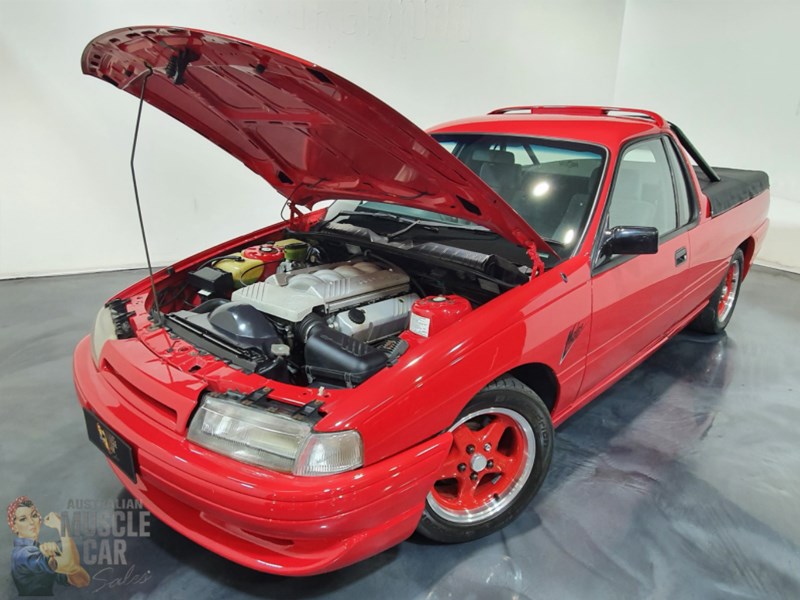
(310, 133)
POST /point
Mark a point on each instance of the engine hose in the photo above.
(308, 325)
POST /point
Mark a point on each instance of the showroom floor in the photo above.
(682, 481)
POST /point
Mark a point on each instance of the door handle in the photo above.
(680, 256)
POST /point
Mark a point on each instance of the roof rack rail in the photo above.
(587, 111)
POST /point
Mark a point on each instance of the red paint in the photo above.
(432, 314)
(266, 521)
(264, 253)
(147, 387)
(270, 255)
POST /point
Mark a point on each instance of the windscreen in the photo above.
(549, 183)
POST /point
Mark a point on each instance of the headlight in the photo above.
(103, 331)
(279, 442)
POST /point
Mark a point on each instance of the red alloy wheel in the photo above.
(490, 461)
(730, 288)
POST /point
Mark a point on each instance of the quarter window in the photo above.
(681, 191)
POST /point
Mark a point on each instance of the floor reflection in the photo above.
(681, 481)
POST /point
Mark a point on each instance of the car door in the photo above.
(637, 299)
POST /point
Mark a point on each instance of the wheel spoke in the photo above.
(464, 437)
(728, 291)
(467, 491)
(492, 433)
(501, 464)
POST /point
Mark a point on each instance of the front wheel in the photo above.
(716, 316)
(502, 448)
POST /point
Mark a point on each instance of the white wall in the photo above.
(66, 202)
(726, 72)
(723, 69)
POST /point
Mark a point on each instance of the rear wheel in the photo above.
(502, 447)
(716, 316)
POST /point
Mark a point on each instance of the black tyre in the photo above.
(716, 316)
(502, 448)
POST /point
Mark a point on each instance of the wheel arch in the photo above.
(748, 248)
(541, 379)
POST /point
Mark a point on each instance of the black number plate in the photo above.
(110, 444)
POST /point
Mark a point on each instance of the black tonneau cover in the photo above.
(735, 187)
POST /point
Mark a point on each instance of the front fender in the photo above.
(424, 392)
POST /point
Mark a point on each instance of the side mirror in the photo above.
(630, 240)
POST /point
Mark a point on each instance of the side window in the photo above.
(450, 146)
(681, 188)
(520, 152)
(643, 192)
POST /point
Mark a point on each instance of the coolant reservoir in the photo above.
(251, 264)
(433, 313)
(294, 250)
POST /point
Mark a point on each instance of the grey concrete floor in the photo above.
(682, 481)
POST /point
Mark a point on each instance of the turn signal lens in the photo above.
(329, 453)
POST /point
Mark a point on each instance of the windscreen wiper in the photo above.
(409, 227)
(462, 227)
(427, 223)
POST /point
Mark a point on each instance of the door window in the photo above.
(643, 193)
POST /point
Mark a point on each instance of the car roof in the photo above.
(608, 131)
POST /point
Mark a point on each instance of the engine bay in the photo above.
(323, 307)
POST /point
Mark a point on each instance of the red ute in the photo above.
(310, 394)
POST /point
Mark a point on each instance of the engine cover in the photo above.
(332, 287)
(375, 321)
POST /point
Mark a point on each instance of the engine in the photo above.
(332, 324)
(329, 288)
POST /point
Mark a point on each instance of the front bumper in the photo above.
(258, 518)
